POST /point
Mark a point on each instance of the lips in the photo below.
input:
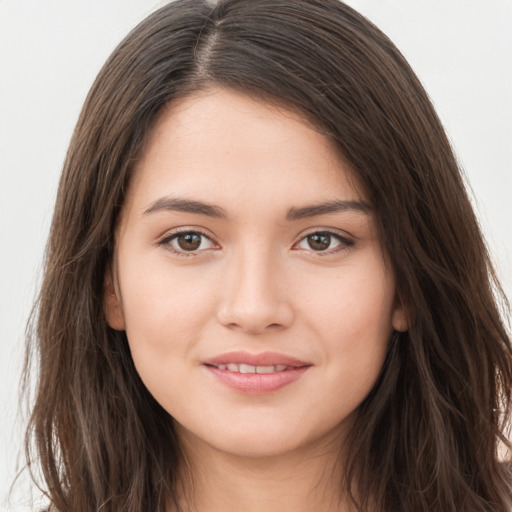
(263, 359)
(248, 368)
(256, 373)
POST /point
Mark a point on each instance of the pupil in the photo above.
(319, 241)
(189, 241)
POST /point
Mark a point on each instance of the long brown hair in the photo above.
(427, 436)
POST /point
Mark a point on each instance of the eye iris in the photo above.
(189, 241)
(319, 241)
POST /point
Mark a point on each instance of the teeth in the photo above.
(266, 369)
(249, 368)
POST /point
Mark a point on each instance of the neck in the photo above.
(298, 481)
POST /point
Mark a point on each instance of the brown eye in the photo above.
(324, 242)
(319, 241)
(189, 241)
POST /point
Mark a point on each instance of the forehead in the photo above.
(220, 143)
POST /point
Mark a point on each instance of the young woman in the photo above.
(265, 287)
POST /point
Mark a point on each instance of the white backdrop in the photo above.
(51, 51)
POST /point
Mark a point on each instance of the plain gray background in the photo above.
(51, 51)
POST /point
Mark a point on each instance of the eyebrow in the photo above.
(326, 207)
(187, 206)
(210, 210)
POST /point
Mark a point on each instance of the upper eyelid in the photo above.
(168, 237)
(182, 230)
(195, 229)
(344, 240)
(331, 231)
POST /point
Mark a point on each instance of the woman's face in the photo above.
(249, 277)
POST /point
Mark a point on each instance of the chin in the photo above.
(265, 440)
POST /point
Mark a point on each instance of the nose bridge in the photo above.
(254, 295)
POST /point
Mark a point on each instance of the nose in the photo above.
(254, 295)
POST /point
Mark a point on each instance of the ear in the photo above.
(400, 318)
(112, 304)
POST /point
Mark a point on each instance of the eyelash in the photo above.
(344, 242)
(175, 234)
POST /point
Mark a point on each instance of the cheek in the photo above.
(164, 319)
(164, 311)
(357, 304)
(353, 314)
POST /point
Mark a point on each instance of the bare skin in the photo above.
(272, 484)
(246, 240)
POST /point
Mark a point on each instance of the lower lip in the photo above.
(257, 383)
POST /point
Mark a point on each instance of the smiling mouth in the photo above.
(245, 362)
(249, 368)
(256, 374)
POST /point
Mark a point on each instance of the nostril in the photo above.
(255, 314)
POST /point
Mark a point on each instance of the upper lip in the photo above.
(261, 359)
